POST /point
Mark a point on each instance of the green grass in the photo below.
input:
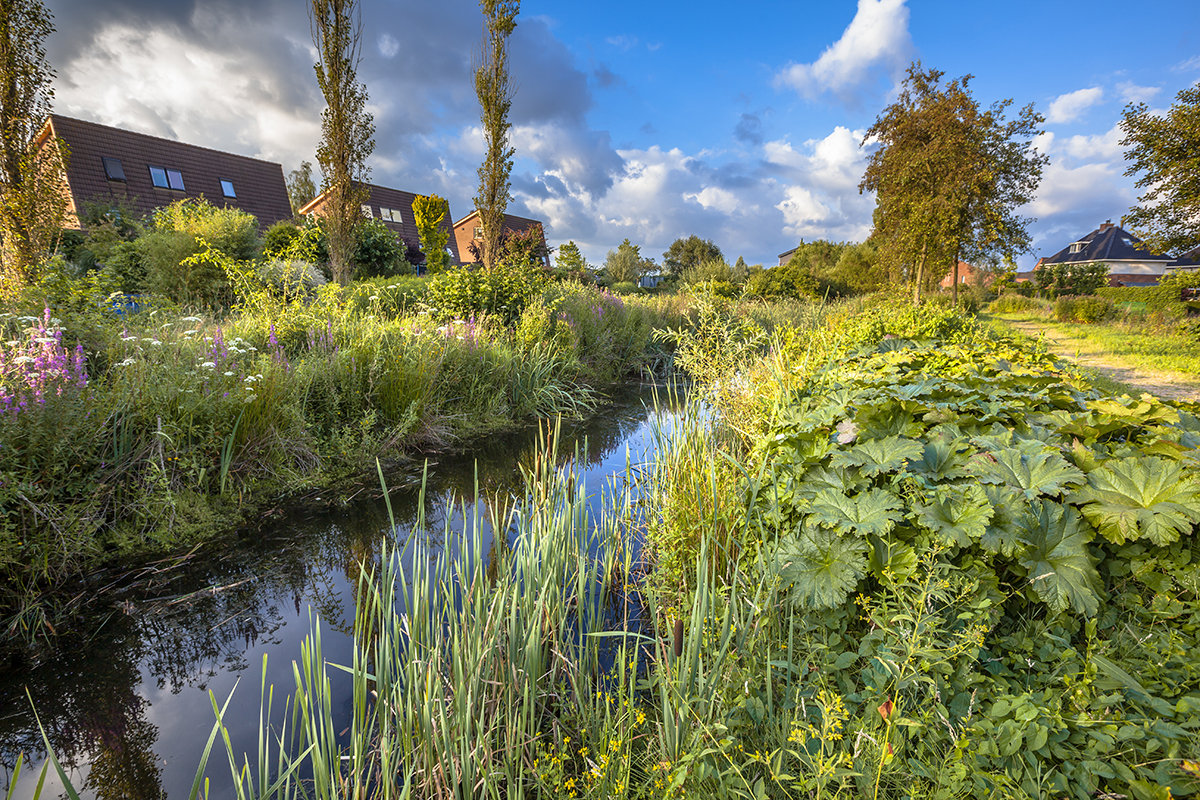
(1132, 341)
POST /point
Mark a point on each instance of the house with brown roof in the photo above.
(469, 230)
(149, 172)
(968, 275)
(395, 209)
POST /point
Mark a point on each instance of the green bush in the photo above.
(502, 291)
(1013, 304)
(380, 253)
(180, 231)
(1087, 310)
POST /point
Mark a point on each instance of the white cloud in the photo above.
(1188, 65)
(876, 39)
(388, 46)
(1105, 146)
(1132, 93)
(1068, 107)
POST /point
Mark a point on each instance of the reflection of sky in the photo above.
(177, 651)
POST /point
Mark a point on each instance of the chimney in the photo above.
(1107, 224)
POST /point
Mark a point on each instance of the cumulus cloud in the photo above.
(388, 46)
(1132, 93)
(749, 129)
(876, 43)
(1068, 107)
(1104, 146)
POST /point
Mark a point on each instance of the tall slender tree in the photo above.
(495, 89)
(300, 187)
(32, 202)
(949, 178)
(347, 128)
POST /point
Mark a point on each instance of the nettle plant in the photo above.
(1072, 518)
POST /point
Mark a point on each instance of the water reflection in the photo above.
(126, 707)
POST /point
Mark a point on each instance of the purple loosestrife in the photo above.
(39, 366)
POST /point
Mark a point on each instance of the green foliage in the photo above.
(625, 264)
(1165, 155)
(301, 188)
(949, 178)
(569, 263)
(1014, 304)
(1087, 310)
(430, 216)
(685, 254)
(379, 253)
(494, 88)
(502, 291)
(1054, 280)
(279, 238)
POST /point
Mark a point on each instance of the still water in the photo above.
(126, 705)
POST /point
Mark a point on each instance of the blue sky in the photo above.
(736, 122)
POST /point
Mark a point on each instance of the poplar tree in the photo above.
(300, 187)
(32, 201)
(428, 215)
(949, 178)
(347, 128)
(495, 89)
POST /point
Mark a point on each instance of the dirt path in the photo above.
(1164, 385)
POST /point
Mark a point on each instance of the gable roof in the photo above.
(464, 230)
(380, 198)
(1107, 243)
(258, 185)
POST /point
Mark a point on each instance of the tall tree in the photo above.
(300, 187)
(347, 128)
(495, 89)
(32, 203)
(625, 264)
(1167, 151)
(690, 252)
(428, 215)
(949, 178)
(570, 261)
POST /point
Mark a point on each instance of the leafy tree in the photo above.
(347, 129)
(32, 203)
(859, 269)
(949, 178)
(300, 187)
(570, 263)
(429, 213)
(1167, 151)
(625, 264)
(689, 252)
(524, 247)
(495, 89)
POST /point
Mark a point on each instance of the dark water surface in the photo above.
(126, 706)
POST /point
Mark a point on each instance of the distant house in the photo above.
(968, 274)
(149, 172)
(1128, 264)
(785, 257)
(468, 231)
(395, 208)
(651, 280)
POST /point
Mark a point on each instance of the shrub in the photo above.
(1087, 310)
(380, 253)
(1013, 304)
(189, 228)
(502, 291)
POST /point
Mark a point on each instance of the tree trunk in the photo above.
(956, 280)
(920, 274)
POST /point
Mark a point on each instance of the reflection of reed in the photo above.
(187, 619)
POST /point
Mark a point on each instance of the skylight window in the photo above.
(390, 214)
(366, 211)
(113, 169)
(1077, 247)
(166, 178)
(227, 189)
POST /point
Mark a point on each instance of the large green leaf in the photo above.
(878, 456)
(943, 460)
(960, 514)
(1062, 571)
(1150, 498)
(874, 511)
(1003, 535)
(822, 566)
(1040, 473)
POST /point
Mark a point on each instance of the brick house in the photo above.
(468, 230)
(149, 172)
(395, 208)
(1128, 264)
(968, 275)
